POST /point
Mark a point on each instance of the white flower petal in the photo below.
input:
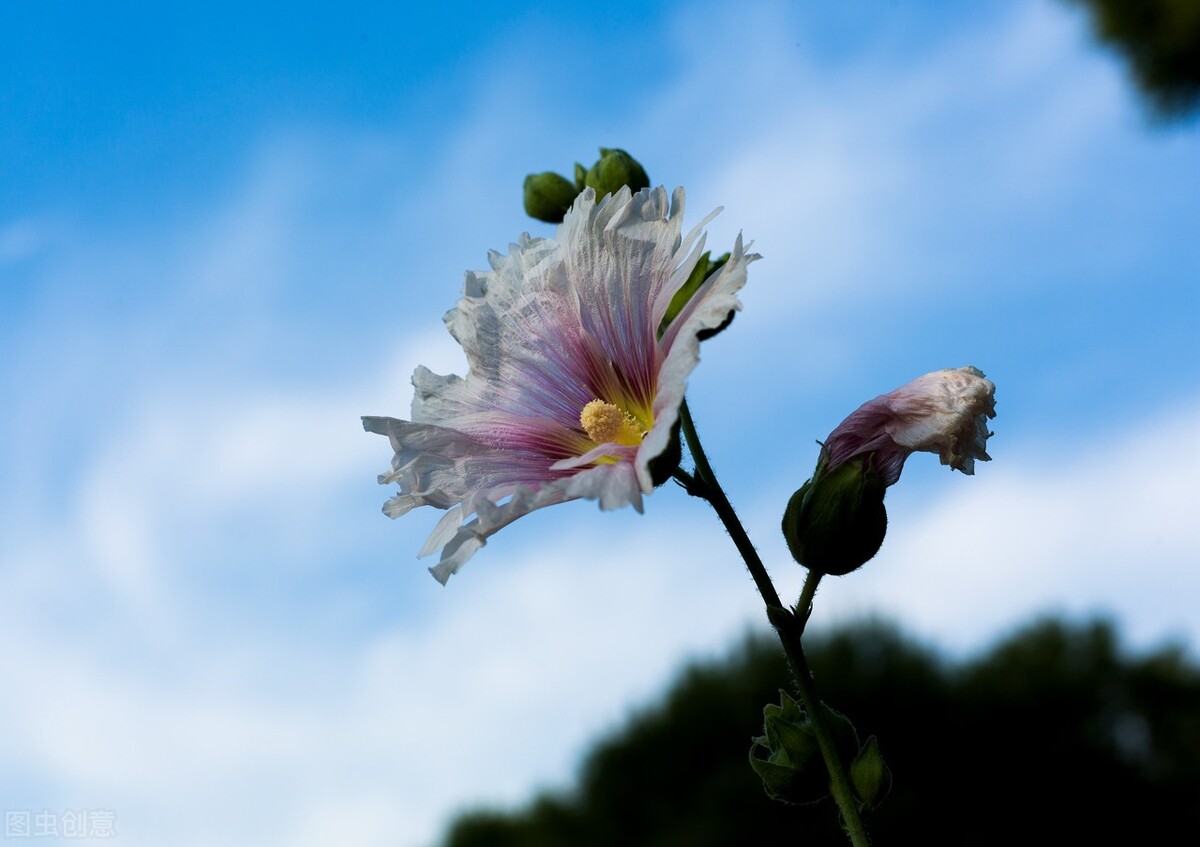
(555, 324)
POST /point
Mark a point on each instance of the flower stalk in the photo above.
(788, 625)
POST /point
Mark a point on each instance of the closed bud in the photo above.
(614, 169)
(548, 196)
(836, 522)
(788, 756)
(870, 775)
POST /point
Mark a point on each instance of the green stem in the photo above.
(804, 604)
(787, 625)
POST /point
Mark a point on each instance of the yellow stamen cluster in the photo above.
(604, 423)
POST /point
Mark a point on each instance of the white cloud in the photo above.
(845, 178)
(496, 690)
(175, 486)
(551, 634)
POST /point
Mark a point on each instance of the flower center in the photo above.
(604, 423)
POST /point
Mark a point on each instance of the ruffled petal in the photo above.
(614, 486)
(707, 309)
(553, 325)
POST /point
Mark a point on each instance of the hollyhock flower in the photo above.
(571, 391)
(943, 412)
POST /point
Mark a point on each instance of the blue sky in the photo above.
(225, 233)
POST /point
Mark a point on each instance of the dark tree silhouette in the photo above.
(1161, 41)
(1056, 736)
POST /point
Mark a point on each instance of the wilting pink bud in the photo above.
(836, 522)
(943, 412)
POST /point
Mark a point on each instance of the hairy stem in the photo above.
(787, 625)
(804, 604)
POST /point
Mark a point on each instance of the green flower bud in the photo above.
(548, 196)
(580, 178)
(788, 756)
(614, 169)
(836, 522)
(871, 778)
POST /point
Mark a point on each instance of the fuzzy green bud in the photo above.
(787, 757)
(836, 522)
(614, 169)
(548, 196)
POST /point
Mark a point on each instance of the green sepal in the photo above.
(705, 267)
(836, 521)
(786, 780)
(845, 736)
(870, 775)
(664, 465)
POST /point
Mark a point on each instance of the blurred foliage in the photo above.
(1161, 41)
(1054, 736)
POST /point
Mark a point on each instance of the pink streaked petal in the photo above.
(490, 518)
(622, 254)
(615, 486)
(603, 451)
(440, 467)
(946, 412)
(865, 430)
(943, 412)
(554, 324)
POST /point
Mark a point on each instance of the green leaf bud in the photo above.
(548, 196)
(614, 169)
